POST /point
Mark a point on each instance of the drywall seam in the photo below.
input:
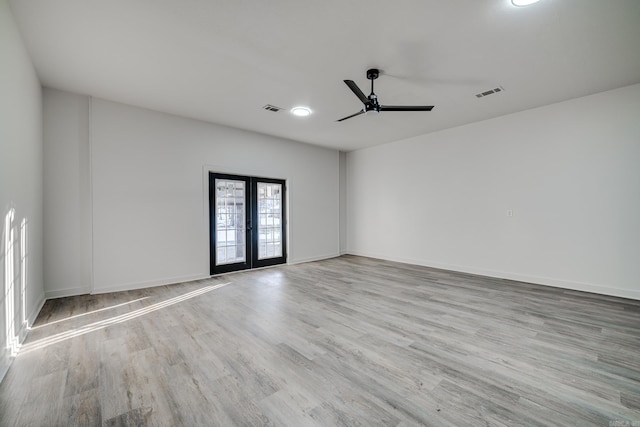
(90, 143)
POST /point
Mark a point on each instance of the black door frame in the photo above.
(251, 228)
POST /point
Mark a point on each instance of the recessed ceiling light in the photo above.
(523, 2)
(301, 111)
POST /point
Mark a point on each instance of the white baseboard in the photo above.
(318, 258)
(22, 334)
(69, 292)
(538, 280)
(148, 284)
(4, 367)
(158, 282)
(31, 318)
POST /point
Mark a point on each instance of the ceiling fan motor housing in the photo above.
(371, 108)
(372, 105)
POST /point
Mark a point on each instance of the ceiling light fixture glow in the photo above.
(301, 111)
(521, 3)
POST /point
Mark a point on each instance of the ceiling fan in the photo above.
(371, 102)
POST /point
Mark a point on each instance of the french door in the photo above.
(247, 222)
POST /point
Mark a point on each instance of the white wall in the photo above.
(343, 202)
(570, 172)
(67, 201)
(21, 280)
(149, 192)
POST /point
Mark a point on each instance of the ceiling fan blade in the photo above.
(353, 115)
(406, 108)
(357, 91)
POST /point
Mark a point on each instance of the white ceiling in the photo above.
(223, 60)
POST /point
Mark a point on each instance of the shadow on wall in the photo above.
(13, 265)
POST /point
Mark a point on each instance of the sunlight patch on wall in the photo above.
(14, 280)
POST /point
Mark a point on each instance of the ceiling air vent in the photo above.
(273, 108)
(489, 92)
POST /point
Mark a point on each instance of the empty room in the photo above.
(355, 213)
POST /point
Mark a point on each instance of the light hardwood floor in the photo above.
(346, 341)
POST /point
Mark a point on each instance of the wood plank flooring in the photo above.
(347, 341)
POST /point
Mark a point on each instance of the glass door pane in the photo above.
(229, 211)
(269, 220)
(230, 221)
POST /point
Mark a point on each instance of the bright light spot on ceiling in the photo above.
(301, 111)
(523, 2)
